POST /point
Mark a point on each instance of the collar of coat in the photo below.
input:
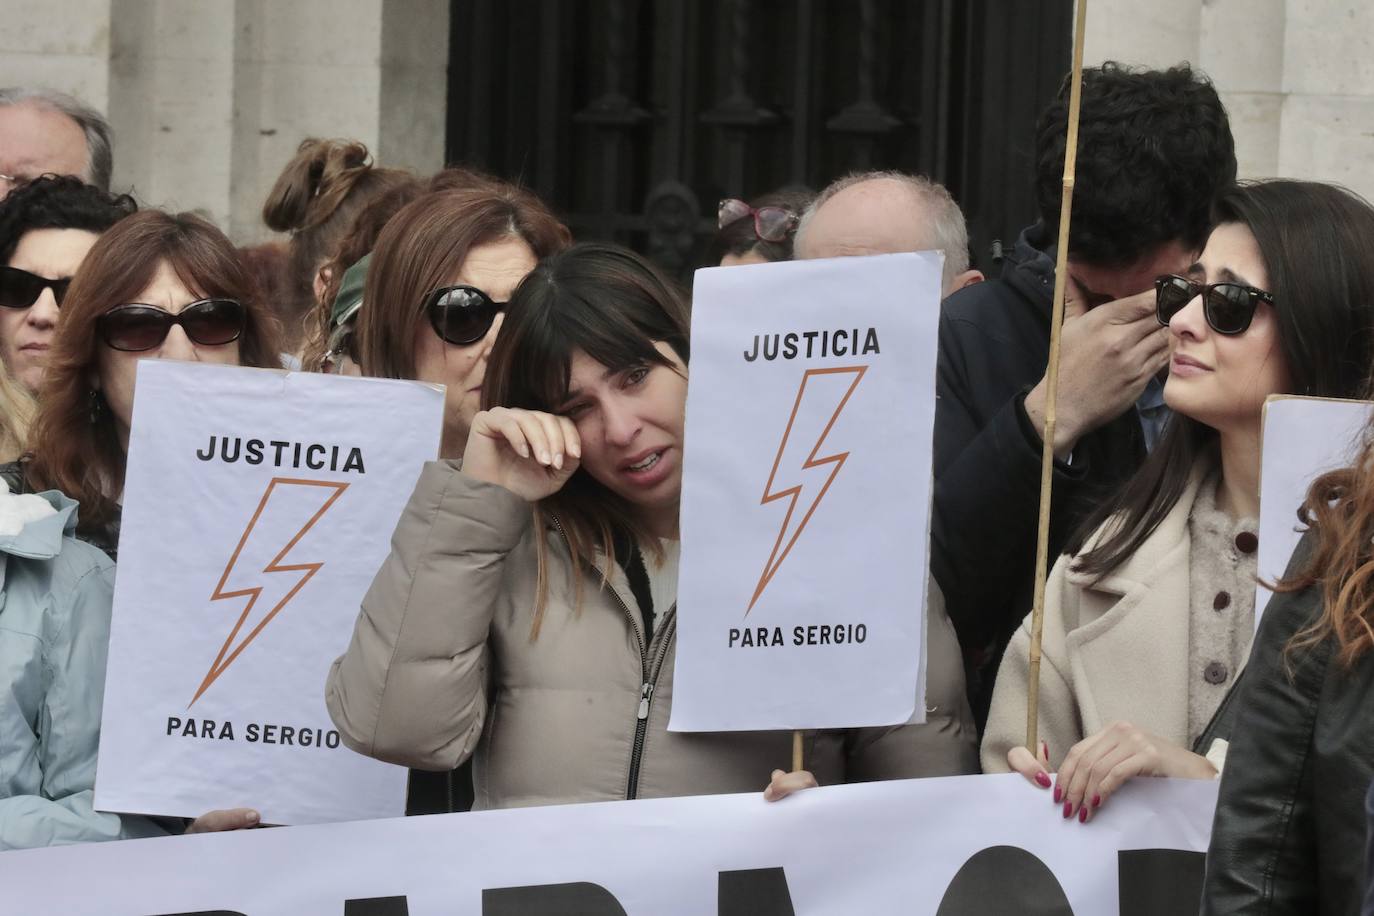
(1139, 568)
(41, 539)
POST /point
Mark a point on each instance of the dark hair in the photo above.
(1154, 151)
(612, 305)
(316, 198)
(76, 452)
(1315, 242)
(739, 238)
(420, 250)
(58, 202)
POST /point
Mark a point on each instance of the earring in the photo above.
(95, 406)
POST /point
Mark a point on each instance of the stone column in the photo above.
(171, 103)
(1328, 81)
(59, 44)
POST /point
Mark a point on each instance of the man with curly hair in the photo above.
(1154, 151)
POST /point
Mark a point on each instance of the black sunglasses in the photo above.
(461, 315)
(208, 322)
(20, 289)
(1228, 307)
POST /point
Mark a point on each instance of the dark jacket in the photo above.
(994, 346)
(1289, 834)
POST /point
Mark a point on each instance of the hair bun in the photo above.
(314, 182)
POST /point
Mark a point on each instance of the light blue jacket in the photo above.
(54, 632)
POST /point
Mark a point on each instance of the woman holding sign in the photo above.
(1149, 614)
(155, 286)
(527, 613)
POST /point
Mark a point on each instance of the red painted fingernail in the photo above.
(1083, 815)
(1068, 810)
(1043, 778)
(1097, 801)
(1059, 795)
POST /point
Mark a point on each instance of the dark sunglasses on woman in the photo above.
(1228, 307)
(20, 289)
(771, 224)
(207, 322)
(461, 315)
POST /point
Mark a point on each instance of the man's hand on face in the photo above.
(1107, 355)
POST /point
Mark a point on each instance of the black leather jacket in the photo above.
(1289, 833)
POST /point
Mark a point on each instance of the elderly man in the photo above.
(887, 213)
(43, 131)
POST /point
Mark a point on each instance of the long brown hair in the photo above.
(74, 442)
(1339, 511)
(420, 250)
(316, 198)
(361, 238)
(612, 305)
(1315, 242)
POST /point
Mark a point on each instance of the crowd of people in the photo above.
(517, 646)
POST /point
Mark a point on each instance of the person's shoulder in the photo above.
(978, 301)
(79, 567)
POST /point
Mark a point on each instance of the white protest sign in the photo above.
(1303, 438)
(257, 506)
(894, 847)
(806, 494)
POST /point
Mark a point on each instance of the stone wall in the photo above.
(209, 98)
(1297, 77)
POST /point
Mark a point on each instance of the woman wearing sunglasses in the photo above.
(527, 613)
(438, 280)
(46, 228)
(1150, 612)
(156, 286)
(759, 231)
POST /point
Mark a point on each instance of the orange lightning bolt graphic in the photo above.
(783, 545)
(225, 657)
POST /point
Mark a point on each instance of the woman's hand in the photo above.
(1099, 765)
(1035, 769)
(784, 784)
(530, 453)
(224, 819)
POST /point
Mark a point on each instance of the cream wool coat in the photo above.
(1113, 651)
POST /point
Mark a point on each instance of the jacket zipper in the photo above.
(646, 697)
(648, 679)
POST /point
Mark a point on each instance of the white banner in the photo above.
(257, 507)
(958, 846)
(1303, 438)
(806, 494)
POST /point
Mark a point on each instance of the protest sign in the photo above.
(867, 848)
(806, 494)
(257, 506)
(1303, 438)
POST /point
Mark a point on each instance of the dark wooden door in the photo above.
(633, 117)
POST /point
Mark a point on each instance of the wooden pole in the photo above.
(1042, 546)
(796, 751)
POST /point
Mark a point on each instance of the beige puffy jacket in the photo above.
(441, 667)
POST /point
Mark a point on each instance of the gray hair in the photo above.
(99, 137)
(947, 223)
